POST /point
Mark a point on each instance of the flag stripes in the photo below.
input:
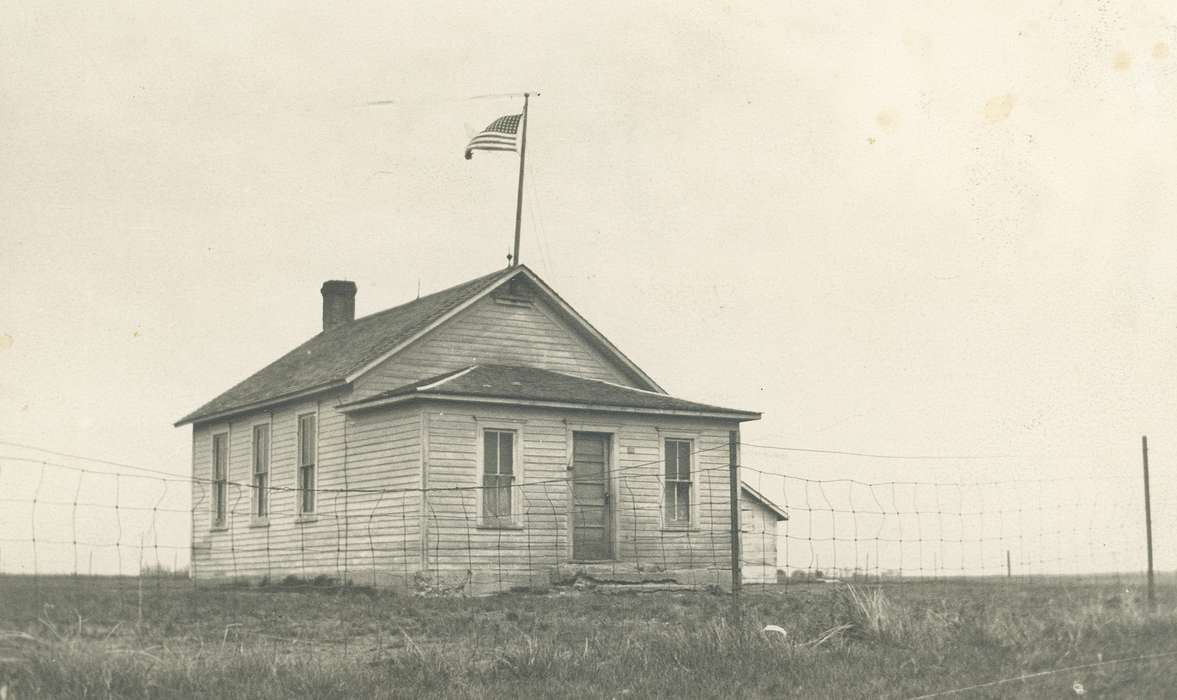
(500, 135)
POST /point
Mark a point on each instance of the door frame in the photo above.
(612, 452)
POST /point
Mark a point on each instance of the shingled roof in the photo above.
(327, 359)
(336, 356)
(533, 386)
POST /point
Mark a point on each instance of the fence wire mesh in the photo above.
(145, 540)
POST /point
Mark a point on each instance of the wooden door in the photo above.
(591, 504)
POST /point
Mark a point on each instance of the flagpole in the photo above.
(519, 199)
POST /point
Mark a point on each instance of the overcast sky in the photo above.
(901, 228)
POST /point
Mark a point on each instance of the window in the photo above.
(677, 497)
(306, 463)
(261, 469)
(498, 474)
(220, 477)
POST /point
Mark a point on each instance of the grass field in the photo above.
(92, 637)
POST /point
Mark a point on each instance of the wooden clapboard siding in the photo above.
(494, 332)
(366, 523)
(460, 547)
(643, 538)
(370, 514)
(758, 541)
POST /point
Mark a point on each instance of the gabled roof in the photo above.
(338, 356)
(760, 498)
(529, 386)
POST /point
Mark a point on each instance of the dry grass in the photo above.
(82, 638)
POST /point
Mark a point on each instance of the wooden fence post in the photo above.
(1152, 591)
(733, 449)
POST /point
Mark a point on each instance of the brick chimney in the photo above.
(339, 303)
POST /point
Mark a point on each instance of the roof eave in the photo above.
(781, 513)
(195, 418)
(740, 416)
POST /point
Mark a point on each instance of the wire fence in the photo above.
(62, 519)
(924, 530)
(134, 560)
(112, 560)
(71, 518)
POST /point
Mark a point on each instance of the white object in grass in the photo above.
(778, 630)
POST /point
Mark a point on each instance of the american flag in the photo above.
(499, 136)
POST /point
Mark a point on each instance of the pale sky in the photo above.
(898, 228)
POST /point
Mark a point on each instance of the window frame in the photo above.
(304, 491)
(691, 521)
(514, 519)
(219, 503)
(260, 503)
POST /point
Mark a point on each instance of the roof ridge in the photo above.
(591, 379)
(631, 388)
(439, 292)
(448, 378)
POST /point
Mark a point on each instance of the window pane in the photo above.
(505, 498)
(489, 507)
(668, 500)
(219, 457)
(261, 449)
(490, 497)
(506, 453)
(260, 485)
(678, 459)
(494, 504)
(312, 427)
(306, 440)
(683, 501)
(307, 484)
(490, 452)
(496, 497)
(301, 441)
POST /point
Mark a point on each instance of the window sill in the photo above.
(498, 526)
(219, 528)
(681, 528)
(259, 523)
(306, 518)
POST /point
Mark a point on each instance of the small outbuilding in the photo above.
(759, 520)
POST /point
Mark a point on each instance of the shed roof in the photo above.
(533, 386)
(779, 512)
